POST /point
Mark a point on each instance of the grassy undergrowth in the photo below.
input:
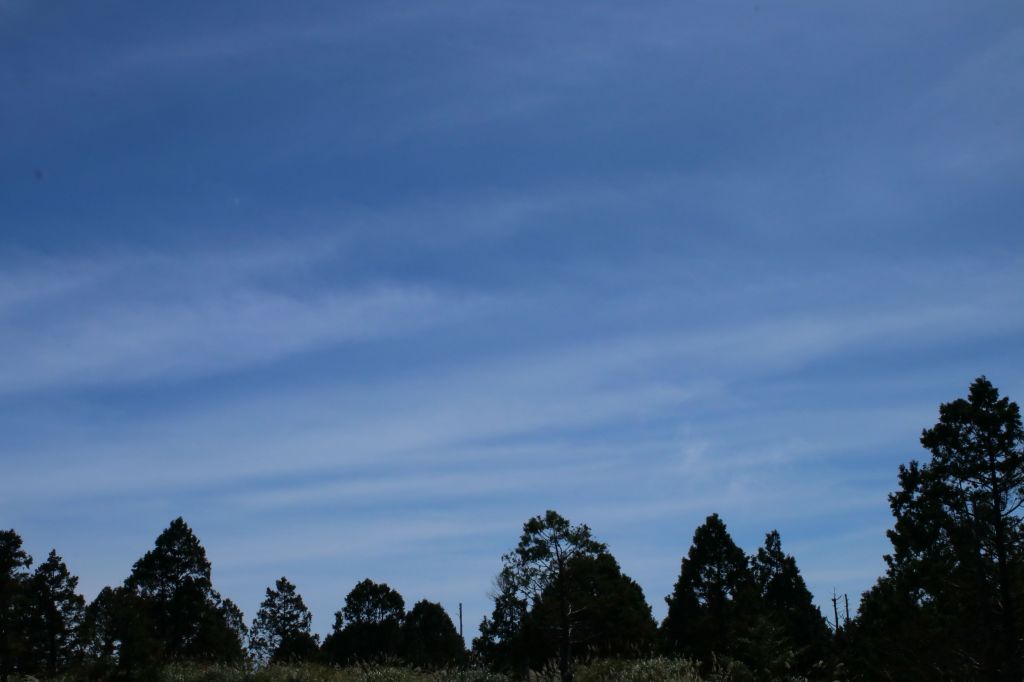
(653, 670)
(650, 670)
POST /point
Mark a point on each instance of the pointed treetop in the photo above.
(176, 560)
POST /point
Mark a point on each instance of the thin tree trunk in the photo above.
(565, 641)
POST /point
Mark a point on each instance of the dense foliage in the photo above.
(280, 632)
(949, 606)
(369, 627)
(429, 638)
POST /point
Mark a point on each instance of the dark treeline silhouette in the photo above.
(561, 599)
(949, 604)
(947, 608)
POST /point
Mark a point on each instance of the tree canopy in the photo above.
(55, 615)
(713, 599)
(429, 638)
(610, 618)
(790, 623)
(280, 631)
(181, 616)
(547, 594)
(14, 567)
(952, 590)
(369, 626)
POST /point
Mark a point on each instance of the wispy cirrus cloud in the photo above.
(140, 316)
(434, 415)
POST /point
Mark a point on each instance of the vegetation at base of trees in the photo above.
(608, 670)
(949, 606)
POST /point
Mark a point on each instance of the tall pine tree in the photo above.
(14, 576)
(710, 611)
(280, 630)
(948, 606)
(538, 571)
(788, 607)
(187, 619)
(55, 615)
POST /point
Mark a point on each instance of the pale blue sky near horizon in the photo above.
(357, 288)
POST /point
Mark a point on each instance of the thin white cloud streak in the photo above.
(403, 531)
(138, 317)
(547, 61)
(420, 486)
(320, 430)
(355, 538)
(220, 332)
(130, 59)
(767, 492)
(24, 285)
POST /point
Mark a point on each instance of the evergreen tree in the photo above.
(500, 644)
(899, 636)
(116, 634)
(223, 631)
(429, 638)
(947, 607)
(789, 607)
(610, 617)
(186, 617)
(280, 631)
(100, 634)
(538, 569)
(368, 627)
(710, 610)
(55, 613)
(14, 575)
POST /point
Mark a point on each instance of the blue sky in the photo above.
(357, 288)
